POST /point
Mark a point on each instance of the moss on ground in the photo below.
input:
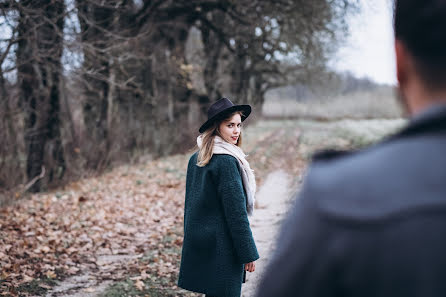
(128, 288)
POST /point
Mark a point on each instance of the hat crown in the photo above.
(223, 107)
(218, 106)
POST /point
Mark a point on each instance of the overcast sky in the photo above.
(369, 50)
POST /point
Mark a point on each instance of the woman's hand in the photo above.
(251, 266)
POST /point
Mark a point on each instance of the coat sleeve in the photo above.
(230, 188)
(304, 262)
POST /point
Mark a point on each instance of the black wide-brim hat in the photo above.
(222, 108)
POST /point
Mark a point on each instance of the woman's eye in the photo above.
(230, 125)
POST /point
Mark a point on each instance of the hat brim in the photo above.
(245, 109)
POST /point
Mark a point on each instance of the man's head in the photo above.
(420, 43)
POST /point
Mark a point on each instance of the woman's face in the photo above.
(230, 128)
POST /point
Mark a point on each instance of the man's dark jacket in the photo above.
(371, 223)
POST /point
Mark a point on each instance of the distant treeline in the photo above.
(85, 83)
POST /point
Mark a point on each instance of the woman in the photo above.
(218, 246)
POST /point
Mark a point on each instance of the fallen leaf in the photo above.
(144, 275)
(90, 290)
(45, 249)
(139, 285)
(27, 279)
(51, 274)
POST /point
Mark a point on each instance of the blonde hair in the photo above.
(208, 136)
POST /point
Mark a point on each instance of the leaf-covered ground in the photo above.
(125, 226)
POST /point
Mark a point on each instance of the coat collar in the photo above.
(432, 120)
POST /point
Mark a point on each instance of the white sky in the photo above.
(369, 50)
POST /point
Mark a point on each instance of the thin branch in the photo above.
(221, 35)
(31, 183)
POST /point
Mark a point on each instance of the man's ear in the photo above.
(402, 63)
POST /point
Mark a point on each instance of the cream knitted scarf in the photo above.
(249, 183)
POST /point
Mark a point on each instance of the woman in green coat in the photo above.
(218, 246)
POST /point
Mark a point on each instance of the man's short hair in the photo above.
(421, 26)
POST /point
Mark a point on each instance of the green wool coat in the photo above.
(217, 237)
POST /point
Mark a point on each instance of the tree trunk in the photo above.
(96, 22)
(10, 172)
(240, 75)
(39, 55)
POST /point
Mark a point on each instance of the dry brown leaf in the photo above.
(144, 275)
(4, 275)
(45, 249)
(90, 290)
(139, 285)
(51, 274)
(27, 279)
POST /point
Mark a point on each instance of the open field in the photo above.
(120, 234)
(360, 105)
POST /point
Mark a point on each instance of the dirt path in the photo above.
(273, 200)
(87, 284)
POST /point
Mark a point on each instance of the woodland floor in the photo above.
(120, 234)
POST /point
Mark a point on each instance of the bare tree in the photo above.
(97, 23)
(269, 44)
(39, 51)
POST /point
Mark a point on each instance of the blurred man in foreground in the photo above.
(373, 223)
